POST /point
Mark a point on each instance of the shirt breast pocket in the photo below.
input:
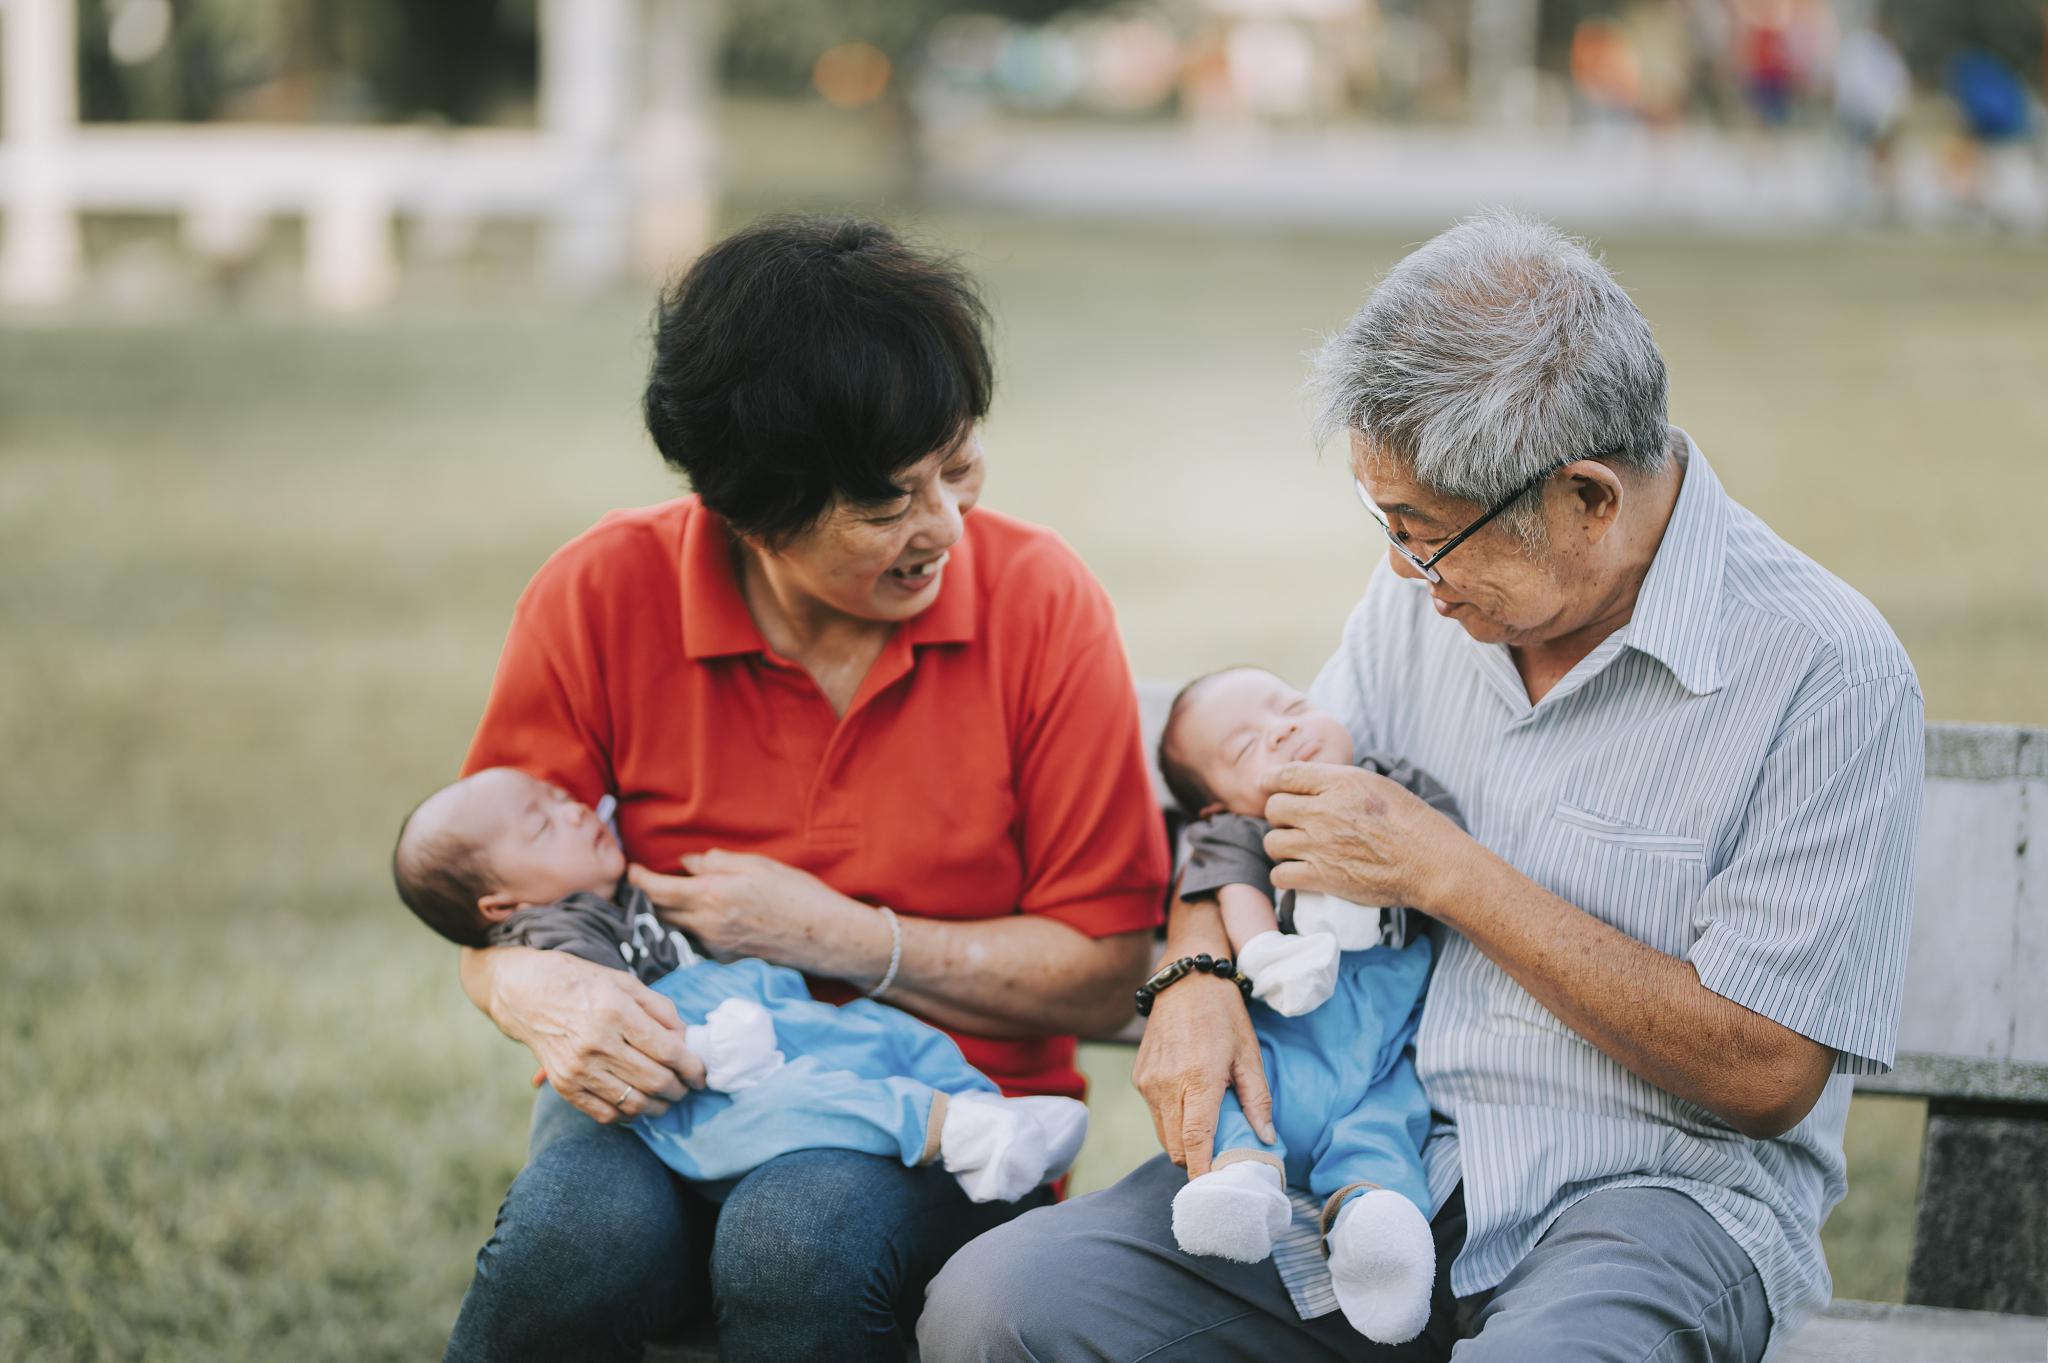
(1644, 881)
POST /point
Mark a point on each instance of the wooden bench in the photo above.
(1973, 1042)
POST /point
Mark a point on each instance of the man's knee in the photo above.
(1628, 1276)
(993, 1301)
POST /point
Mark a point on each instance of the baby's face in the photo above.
(1241, 724)
(539, 844)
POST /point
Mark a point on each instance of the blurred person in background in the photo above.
(876, 738)
(1873, 89)
(1994, 177)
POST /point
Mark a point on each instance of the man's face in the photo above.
(1241, 724)
(1492, 585)
(539, 844)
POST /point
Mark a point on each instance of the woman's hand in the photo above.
(1357, 835)
(738, 904)
(1198, 1043)
(609, 1044)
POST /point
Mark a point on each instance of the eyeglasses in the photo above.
(1427, 566)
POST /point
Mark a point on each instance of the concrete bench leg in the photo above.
(1981, 1239)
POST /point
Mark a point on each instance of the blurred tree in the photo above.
(774, 46)
(2010, 30)
(463, 61)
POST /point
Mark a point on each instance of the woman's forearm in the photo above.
(1009, 977)
(479, 973)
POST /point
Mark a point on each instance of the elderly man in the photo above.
(1690, 760)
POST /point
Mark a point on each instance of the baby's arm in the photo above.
(1246, 913)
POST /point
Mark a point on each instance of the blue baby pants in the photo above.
(858, 1077)
(1346, 1103)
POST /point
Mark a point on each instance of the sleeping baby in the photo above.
(1336, 990)
(503, 858)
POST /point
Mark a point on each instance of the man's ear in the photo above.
(1597, 495)
(498, 905)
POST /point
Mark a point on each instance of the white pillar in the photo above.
(586, 94)
(351, 263)
(675, 160)
(41, 255)
(1501, 72)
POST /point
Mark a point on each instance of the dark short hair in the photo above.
(803, 359)
(440, 877)
(1183, 782)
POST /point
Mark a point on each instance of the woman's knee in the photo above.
(594, 1235)
(811, 1232)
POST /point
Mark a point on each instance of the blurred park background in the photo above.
(323, 322)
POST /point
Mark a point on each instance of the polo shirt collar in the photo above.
(1677, 618)
(716, 622)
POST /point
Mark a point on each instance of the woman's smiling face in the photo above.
(885, 562)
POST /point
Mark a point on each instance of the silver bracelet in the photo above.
(895, 954)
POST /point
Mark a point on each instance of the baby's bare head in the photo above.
(1228, 729)
(473, 852)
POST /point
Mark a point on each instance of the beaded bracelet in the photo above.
(1204, 964)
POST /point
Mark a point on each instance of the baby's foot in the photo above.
(1291, 973)
(993, 1145)
(1355, 926)
(737, 1045)
(1066, 1125)
(1383, 1265)
(1233, 1212)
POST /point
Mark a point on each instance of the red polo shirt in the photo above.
(990, 763)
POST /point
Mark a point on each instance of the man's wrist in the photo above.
(1459, 881)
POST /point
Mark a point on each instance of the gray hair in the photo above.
(1494, 351)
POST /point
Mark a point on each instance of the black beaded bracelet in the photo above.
(1204, 964)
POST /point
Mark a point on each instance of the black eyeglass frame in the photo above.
(1427, 566)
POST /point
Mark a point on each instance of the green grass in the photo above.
(254, 572)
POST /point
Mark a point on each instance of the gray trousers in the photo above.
(1624, 1276)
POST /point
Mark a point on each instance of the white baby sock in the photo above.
(1233, 1212)
(1292, 973)
(1065, 1122)
(1355, 926)
(993, 1145)
(1383, 1265)
(737, 1045)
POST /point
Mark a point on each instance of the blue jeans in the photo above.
(820, 1254)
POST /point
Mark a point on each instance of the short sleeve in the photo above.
(1808, 918)
(1226, 849)
(546, 716)
(1093, 837)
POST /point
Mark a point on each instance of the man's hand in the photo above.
(1198, 1043)
(738, 904)
(1357, 835)
(610, 1045)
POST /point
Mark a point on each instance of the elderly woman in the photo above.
(1690, 759)
(852, 729)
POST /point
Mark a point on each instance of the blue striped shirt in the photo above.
(1733, 778)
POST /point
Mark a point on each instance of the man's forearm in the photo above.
(1645, 1009)
(1194, 927)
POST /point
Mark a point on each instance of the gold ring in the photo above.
(620, 1101)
